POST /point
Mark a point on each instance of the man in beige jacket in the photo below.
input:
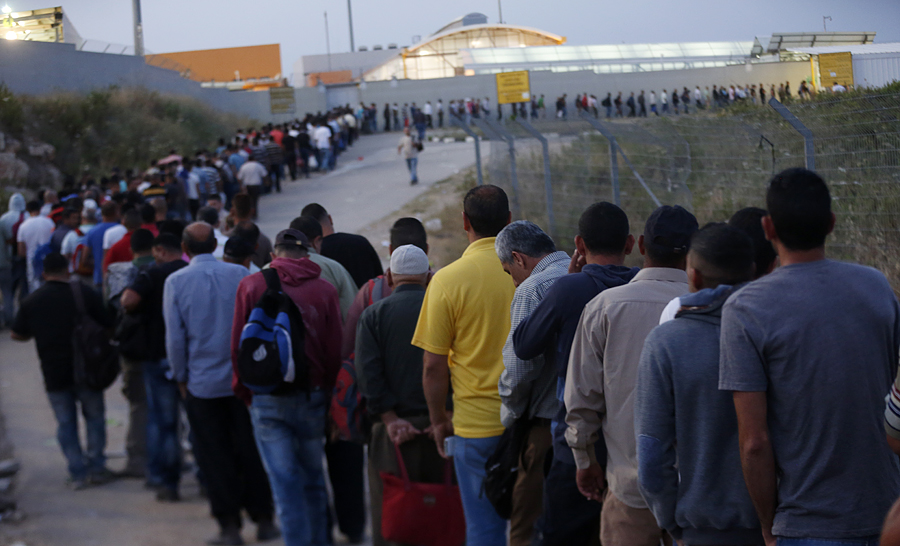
(602, 375)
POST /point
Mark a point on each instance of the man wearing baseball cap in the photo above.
(288, 425)
(603, 367)
(390, 377)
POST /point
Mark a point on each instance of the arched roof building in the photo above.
(439, 55)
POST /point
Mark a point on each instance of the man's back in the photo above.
(821, 339)
(680, 411)
(613, 329)
(318, 304)
(49, 315)
(198, 305)
(149, 286)
(355, 253)
(386, 329)
(338, 277)
(94, 241)
(466, 315)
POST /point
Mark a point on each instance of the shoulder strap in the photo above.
(272, 280)
(75, 284)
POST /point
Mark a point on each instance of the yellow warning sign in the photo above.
(836, 67)
(513, 87)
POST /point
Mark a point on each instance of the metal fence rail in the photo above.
(711, 163)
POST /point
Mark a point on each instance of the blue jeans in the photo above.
(483, 526)
(288, 431)
(163, 448)
(863, 541)
(65, 408)
(411, 164)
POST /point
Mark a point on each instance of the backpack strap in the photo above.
(75, 284)
(272, 280)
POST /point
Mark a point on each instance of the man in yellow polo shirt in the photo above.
(462, 327)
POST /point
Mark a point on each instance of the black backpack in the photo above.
(96, 352)
(502, 467)
(272, 354)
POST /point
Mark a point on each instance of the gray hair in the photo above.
(524, 237)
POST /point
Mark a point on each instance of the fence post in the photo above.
(548, 188)
(462, 125)
(488, 126)
(808, 138)
(613, 146)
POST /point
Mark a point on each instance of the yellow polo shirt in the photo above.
(465, 316)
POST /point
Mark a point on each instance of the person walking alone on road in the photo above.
(409, 146)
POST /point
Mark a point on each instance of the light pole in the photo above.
(138, 29)
(327, 42)
(350, 17)
(500, 9)
(824, 24)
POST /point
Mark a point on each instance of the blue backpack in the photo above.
(272, 354)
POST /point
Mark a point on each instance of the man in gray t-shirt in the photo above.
(810, 351)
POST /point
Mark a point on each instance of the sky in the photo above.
(299, 26)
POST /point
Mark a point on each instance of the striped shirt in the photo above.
(527, 387)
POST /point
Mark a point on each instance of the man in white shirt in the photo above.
(251, 175)
(322, 137)
(34, 231)
(113, 235)
(428, 111)
(837, 88)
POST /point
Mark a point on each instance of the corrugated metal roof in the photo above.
(867, 49)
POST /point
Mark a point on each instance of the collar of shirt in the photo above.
(549, 260)
(485, 244)
(666, 274)
(201, 258)
(409, 288)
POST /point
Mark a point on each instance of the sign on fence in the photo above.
(513, 87)
(281, 100)
(836, 67)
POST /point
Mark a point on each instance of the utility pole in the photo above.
(327, 42)
(500, 9)
(350, 17)
(824, 24)
(138, 29)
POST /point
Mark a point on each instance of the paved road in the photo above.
(370, 182)
(123, 513)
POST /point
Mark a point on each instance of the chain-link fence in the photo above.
(711, 163)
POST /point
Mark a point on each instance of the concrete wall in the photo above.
(554, 84)
(875, 70)
(36, 68)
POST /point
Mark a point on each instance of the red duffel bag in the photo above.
(425, 514)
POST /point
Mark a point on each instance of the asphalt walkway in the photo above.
(371, 181)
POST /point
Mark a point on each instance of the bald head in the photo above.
(198, 238)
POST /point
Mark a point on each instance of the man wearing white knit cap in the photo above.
(389, 368)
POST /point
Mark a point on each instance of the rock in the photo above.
(13, 171)
(434, 224)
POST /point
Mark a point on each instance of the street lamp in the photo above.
(11, 35)
(6, 9)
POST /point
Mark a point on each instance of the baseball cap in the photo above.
(90, 204)
(409, 260)
(238, 248)
(669, 229)
(292, 237)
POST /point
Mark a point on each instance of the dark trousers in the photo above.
(227, 455)
(136, 439)
(291, 161)
(345, 472)
(528, 491)
(253, 192)
(568, 517)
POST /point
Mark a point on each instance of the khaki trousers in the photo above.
(529, 489)
(622, 525)
(423, 463)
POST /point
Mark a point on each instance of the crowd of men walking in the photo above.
(730, 391)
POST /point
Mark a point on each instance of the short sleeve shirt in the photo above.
(821, 339)
(465, 315)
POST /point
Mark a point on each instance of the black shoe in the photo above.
(359, 539)
(267, 531)
(228, 536)
(102, 477)
(167, 494)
